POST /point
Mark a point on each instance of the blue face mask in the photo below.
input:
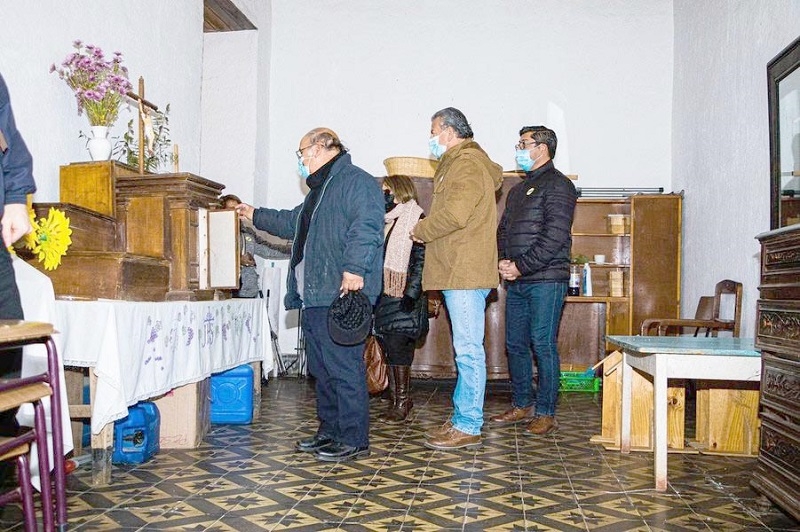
(302, 168)
(524, 160)
(436, 149)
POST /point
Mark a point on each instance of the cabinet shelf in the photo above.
(652, 287)
(608, 265)
(617, 235)
(597, 299)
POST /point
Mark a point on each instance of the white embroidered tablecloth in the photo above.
(140, 350)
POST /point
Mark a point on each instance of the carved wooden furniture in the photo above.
(778, 336)
(135, 237)
(648, 254)
(96, 266)
(160, 214)
(14, 392)
(783, 87)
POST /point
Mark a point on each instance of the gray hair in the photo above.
(452, 117)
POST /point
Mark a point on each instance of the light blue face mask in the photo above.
(436, 149)
(524, 160)
(302, 168)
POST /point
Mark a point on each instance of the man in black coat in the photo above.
(534, 243)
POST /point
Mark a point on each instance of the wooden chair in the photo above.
(707, 318)
(33, 389)
(17, 448)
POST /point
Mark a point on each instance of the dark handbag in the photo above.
(377, 371)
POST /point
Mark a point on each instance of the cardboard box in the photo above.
(184, 415)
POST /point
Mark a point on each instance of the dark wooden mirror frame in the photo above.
(778, 69)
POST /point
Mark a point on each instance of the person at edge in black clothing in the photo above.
(16, 182)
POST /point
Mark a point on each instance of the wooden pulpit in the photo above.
(135, 236)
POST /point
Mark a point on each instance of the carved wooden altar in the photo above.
(134, 235)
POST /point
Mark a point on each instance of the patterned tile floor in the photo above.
(248, 478)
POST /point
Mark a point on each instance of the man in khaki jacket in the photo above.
(461, 261)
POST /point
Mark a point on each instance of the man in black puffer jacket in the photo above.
(534, 242)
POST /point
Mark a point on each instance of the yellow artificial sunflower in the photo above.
(29, 240)
(50, 238)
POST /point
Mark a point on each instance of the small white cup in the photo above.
(599, 259)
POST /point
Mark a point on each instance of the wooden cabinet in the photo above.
(135, 237)
(647, 252)
(92, 185)
(160, 217)
(777, 474)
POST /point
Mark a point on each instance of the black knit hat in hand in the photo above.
(350, 318)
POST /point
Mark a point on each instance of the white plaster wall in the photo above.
(237, 85)
(235, 143)
(161, 41)
(720, 139)
(260, 13)
(599, 72)
(228, 147)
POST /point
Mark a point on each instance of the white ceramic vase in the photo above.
(99, 145)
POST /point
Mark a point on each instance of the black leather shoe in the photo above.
(309, 445)
(339, 452)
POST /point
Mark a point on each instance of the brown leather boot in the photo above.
(392, 393)
(439, 431)
(542, 425)
(454, 439)
(403, 402)
(512, 416)
(387, 395)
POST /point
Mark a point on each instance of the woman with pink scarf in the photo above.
(401, 315)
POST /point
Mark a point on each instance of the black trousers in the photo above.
(399, 350)
(341, 381)
(10, 309)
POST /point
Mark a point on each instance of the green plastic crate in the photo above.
(578, 381)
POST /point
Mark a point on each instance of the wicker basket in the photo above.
(410, 166)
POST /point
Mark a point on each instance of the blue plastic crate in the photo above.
(232, 396)
(136, 436)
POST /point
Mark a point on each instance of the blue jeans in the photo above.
(466, 310)
(533, 311)
(341, 382)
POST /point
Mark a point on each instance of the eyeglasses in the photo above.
(299, 152)
(441, 130)
(525, 144)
